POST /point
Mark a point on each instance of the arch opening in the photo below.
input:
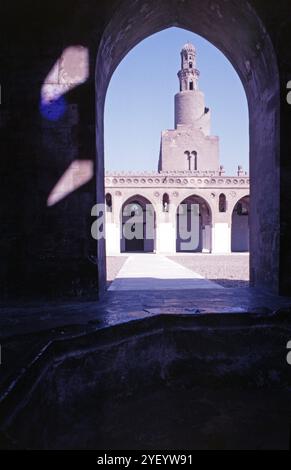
(236, 37)
(240, 235)
(193, 217)
(137, 226)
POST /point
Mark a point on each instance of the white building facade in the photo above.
(189, 175)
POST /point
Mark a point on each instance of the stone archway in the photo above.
(137, 237)
(203, 228)
(236, 29)
(240, 237)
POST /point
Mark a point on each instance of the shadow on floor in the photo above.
(232, 283)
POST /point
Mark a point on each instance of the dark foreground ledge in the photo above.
(165, 381)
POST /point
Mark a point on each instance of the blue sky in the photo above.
(140, 102)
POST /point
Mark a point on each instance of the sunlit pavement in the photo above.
(156, 272)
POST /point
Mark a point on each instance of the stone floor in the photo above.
(28, 328)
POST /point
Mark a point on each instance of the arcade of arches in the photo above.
(219, 233)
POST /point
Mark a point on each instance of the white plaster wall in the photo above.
(166, 238)
(221, 238)
(112, 239)
(207, 239)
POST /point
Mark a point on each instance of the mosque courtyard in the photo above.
(229, 271)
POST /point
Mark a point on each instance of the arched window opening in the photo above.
(166, 202)
(189, 158)
(222, 203)
(195, 158)
(191, 86)
(108, 200)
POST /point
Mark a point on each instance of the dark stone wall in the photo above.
(49, 251)
(276, 18)
(45, 250)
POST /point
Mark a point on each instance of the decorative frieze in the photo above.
(164, 180)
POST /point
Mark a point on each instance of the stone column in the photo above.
(166, 231)
(221, 237)
(206, 239)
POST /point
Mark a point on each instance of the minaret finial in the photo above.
(188, 75)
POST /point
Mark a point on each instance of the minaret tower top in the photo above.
(190, 107)
(190, 146)
(188, 75)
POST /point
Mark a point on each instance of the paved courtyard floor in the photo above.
(230, 271)
(156, 272)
